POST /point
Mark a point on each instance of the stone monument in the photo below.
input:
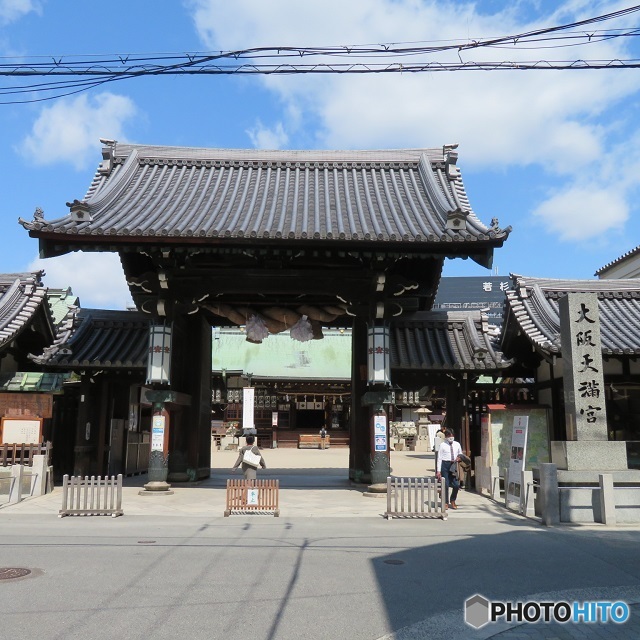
(587, 446)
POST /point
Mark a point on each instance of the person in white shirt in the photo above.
(449, 452)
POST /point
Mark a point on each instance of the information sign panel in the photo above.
(157, 433)
(21, 431)
(380, 433)
(517, 458)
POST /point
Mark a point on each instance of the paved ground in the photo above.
(330, 567)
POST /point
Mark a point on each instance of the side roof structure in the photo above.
(445, 341)
(22, 296)
(197, 195)
(99, 339)
(533, 310)
(626, 266)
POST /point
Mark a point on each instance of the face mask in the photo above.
(450, 439)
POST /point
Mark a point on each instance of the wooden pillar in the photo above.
(199, 348)
(465, 440)
(455, 408)
(359, 436)
(83, 449)
(190, 445)
(105, 415)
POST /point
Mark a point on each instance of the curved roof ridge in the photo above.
(435, 154)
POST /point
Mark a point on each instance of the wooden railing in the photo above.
(91, 496)
(415, 498)
(252, 496)
(23, 453)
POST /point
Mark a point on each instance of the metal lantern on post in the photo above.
(378, 355)
(158, 372)
(159, 358)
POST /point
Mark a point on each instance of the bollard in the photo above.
(39, 470)
(506, 487)
(494, 480)
(15, 492)
(527, 495)
(607, 499)
(549, 493)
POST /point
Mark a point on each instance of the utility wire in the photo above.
(70, 75)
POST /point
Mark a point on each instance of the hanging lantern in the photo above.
(159, 357)
(378, 355)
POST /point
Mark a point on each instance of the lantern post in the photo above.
(158, 376)
(379, 394)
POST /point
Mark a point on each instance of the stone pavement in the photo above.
(313, 484)
(329, 567)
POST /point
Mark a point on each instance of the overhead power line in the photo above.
(66, 75)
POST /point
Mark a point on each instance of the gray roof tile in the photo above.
(623, 258)
(533, 306)
(100, 339)
(382, 196)
(21, 296)
(445, 340)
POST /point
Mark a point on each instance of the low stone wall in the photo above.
(20, 481)
(581, 497)
(588, 496)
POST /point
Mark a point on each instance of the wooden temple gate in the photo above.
(274, 241)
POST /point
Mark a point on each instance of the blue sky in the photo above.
(555, 154)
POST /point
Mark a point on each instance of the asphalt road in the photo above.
(331, 567)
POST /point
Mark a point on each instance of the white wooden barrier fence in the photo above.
(415, 498)
(91, 496)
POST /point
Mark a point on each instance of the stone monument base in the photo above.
(586, 455)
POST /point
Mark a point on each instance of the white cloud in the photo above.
(69, 130)
(552, 119)
(583, 212)
(268, 137)
(96, 278)
(501, 118)
(12, 10)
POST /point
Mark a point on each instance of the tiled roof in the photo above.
(99, 339)
(617, 261)
(60, 301)
(533, 305)
(445, 340)
(410, 195)
(21, 295)
(32, 381)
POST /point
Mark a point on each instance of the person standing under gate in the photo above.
(249, 471)
(446, 467)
